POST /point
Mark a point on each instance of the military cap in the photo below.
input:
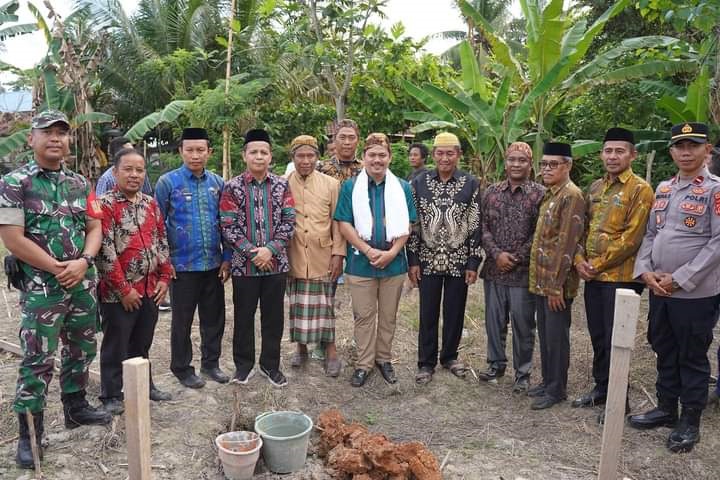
(693, 131)
(303, 140)
(560, 149)
(48, 118)
(257, 135)
(193, 133)
(620, 135)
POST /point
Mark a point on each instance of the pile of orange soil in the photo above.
(351, 452)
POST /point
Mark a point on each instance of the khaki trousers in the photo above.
(375, 304)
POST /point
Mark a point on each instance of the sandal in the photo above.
(333, 367)
(298, 359)
(424, 376)
(457, 368)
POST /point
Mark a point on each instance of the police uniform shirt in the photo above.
(683, 235)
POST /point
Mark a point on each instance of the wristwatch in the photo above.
(89, 259)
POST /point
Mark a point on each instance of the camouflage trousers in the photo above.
(70, 316)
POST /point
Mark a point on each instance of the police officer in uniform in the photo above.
(678, 261)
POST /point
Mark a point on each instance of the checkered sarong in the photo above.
(312, 314)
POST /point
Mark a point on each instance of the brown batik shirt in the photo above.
(509, 216)
(560, 226)
(341, 171)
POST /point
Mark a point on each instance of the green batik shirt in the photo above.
(51, 206)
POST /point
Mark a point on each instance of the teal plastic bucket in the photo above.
(285, 439)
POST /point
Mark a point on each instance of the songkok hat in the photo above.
(446, 139)
(695, 132)
(48, 118)
(303, 140)
(521, 147)
(560, 149)
(193, 133)
(257, 135)
(375, 139)
(620, 135)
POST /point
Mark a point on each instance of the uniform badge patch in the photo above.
(698, 190)
(665, 189)
(659, 204)
(717, 204)
(690, 222)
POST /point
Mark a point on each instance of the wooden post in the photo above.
(627, 305)
(136, 385)
(34, 441)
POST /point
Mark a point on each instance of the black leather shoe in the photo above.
(536, 391)
(687, 433)
(79, 412)
(114, 406)
(158, 395)
(387, 371)
(215, 374)
(359, 377)
(661, 416)
(546, 401)
(192, 381)
(590, 399)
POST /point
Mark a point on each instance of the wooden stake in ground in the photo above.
(627, 305)
(34, 443)
(136, 385)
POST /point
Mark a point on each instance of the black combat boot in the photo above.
(79, 412)
(687, 433)
(24, 456)
(664, 415)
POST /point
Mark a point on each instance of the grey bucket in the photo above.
(285, 439)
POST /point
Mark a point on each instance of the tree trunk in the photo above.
(226, 161)
(648, 166)
(340, 107)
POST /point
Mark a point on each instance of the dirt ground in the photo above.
(476, 431)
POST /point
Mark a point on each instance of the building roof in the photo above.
(15, 102)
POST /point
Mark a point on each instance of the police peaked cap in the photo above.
(193, 133)
(560, 149)
(693, 131)
(257, 135)
(617, 134)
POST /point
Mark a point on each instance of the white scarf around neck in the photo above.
(397, 217)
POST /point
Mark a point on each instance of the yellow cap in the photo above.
(446, 139)
(301, 141)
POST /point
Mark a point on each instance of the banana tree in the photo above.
(535, 85)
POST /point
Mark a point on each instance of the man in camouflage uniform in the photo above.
(44, 223)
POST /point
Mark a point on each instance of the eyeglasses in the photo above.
(553, 165)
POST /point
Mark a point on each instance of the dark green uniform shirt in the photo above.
(51, 206)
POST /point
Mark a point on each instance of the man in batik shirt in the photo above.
(553, 278)
(135, 269)
(444, 254)
(257, 218)
(618, 206)
(509, 215)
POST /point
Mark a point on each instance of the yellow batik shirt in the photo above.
(560, 225)
(617, 216)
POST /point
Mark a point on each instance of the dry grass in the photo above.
(478, 431)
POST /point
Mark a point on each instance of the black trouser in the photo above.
(680, 331)
(270, 291)
(205, 292)
(554, 335)
(453, 292)
(125, 335)
(600, 312)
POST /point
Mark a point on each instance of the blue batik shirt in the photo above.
(189, 204)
